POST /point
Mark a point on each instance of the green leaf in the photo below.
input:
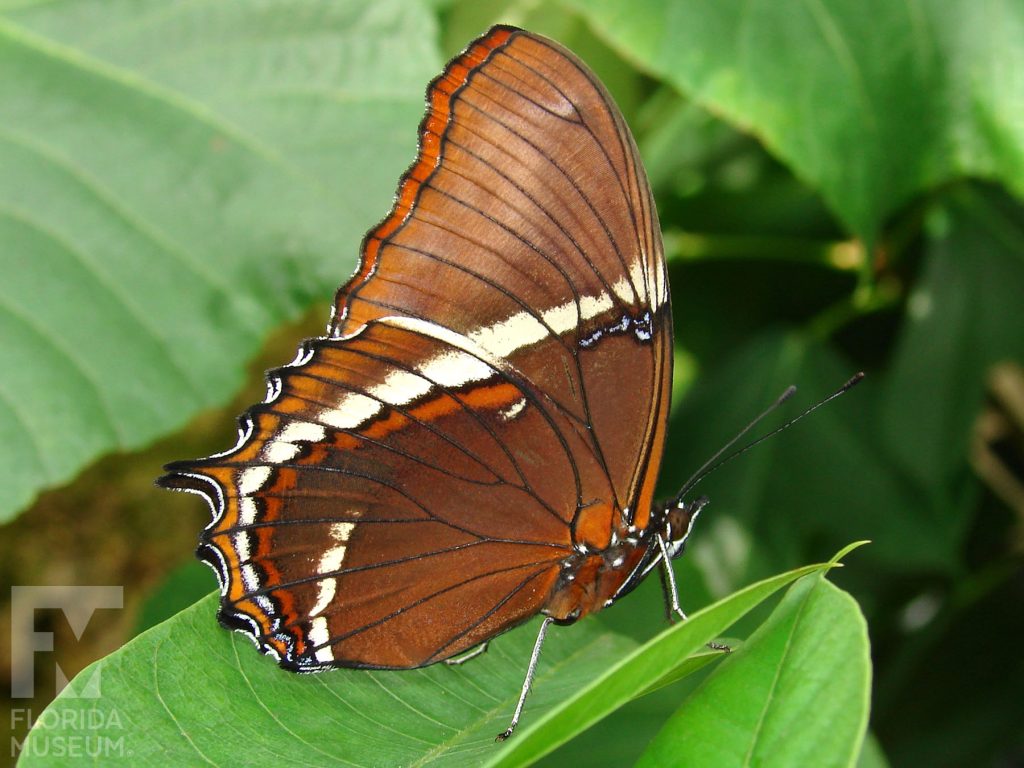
(956, 328)
(184, 586)
(177, 178)
(187, 691)
(643, 669)
(870, 103)
(693, 663)
(797, 693)
(620, 739)
(871, 754)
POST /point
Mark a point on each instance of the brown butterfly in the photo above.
(477, 437)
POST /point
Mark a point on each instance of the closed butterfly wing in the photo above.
(491, 396)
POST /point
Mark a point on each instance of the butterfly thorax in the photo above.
(591, 580)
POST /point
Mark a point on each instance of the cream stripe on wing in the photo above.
(475, 358)
(330, 562)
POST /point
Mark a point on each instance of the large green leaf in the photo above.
(187, 691)
(796, 693)
(176, 178)
(651, 665)
(868, 102)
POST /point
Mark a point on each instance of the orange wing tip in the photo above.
(440, 93)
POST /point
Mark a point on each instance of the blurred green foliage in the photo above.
(839, 185)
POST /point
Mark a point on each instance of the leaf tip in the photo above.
(834, 562)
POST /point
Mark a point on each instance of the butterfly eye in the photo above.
(680, 518)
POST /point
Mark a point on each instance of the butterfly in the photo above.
(476, 439)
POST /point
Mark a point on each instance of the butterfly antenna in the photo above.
(717, 461)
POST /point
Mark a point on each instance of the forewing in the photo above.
(527, 224)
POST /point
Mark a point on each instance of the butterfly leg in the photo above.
(480, 650)
(669, 616)
(668, 584)
(528, 681)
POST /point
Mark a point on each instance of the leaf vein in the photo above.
(176, 100)
(108, 199)
(280, 723)
(769, 698)
(167, 709)
(136, 313)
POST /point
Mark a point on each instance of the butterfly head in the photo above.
(680, 517)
